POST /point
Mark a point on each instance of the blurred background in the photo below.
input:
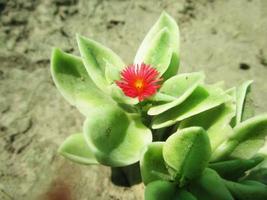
(226, 39)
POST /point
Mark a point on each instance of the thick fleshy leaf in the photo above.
(241, 93)
(263, 149)
(159, 190)
(249, 147)
(248, 137)
(73, 82)
(215, 121)
(152, 164)
(187, 153)
(160, 52)
(112, 72)
(202, 99)
(185, 195)
(180, 87)
(161, 42)
(259, 174)
(248, 107)
(76, 149)
(210, 117)
(97, 58)
(161, 97)
(209, 186)
(116, 138)
(247, 191)
(234, 169)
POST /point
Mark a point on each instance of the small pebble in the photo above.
(244, 66)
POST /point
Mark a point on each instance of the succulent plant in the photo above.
(193, 140)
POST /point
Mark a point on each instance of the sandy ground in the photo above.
(227, 39)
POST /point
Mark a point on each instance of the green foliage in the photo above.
(246, 140)
(202, 99)
(159, 53)
(76, 149)
(234, 169)
(247, 190)
(215, 121)
(96, 59)
(198, 125)
(241, 93)
(115, 137)
(152, 164)
(159, 190)
(74, 84)
(161, 46)
(186, 154)
(178, 87)
(209, 187)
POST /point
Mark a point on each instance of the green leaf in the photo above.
(187, 153)
(249, 147)
(161, 43)
(163, 190)
(209, 186)
(112, 72)
(202, 99)
(258, 174)
(180, 87)
(247, 191)
(234, 169)
(97, 59)
(160, 52)
(75, 149)
(161, 97)
(116, 138)
(263, 150)
(152, 164)
(74, 84)
(159, 190)
(215, 121)
(248, 137)
(185, 195)
(241, 93)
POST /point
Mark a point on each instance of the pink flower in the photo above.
(139, 81)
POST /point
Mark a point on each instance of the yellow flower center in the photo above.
(139, 84)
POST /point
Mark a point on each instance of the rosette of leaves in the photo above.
(205, 137)
(234, 167)
(113, 133)
(110, 135)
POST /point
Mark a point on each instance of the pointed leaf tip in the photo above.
(73, 82)
(75, 149)
(154, 40)
(96, 58)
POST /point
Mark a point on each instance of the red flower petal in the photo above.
(141, 81)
